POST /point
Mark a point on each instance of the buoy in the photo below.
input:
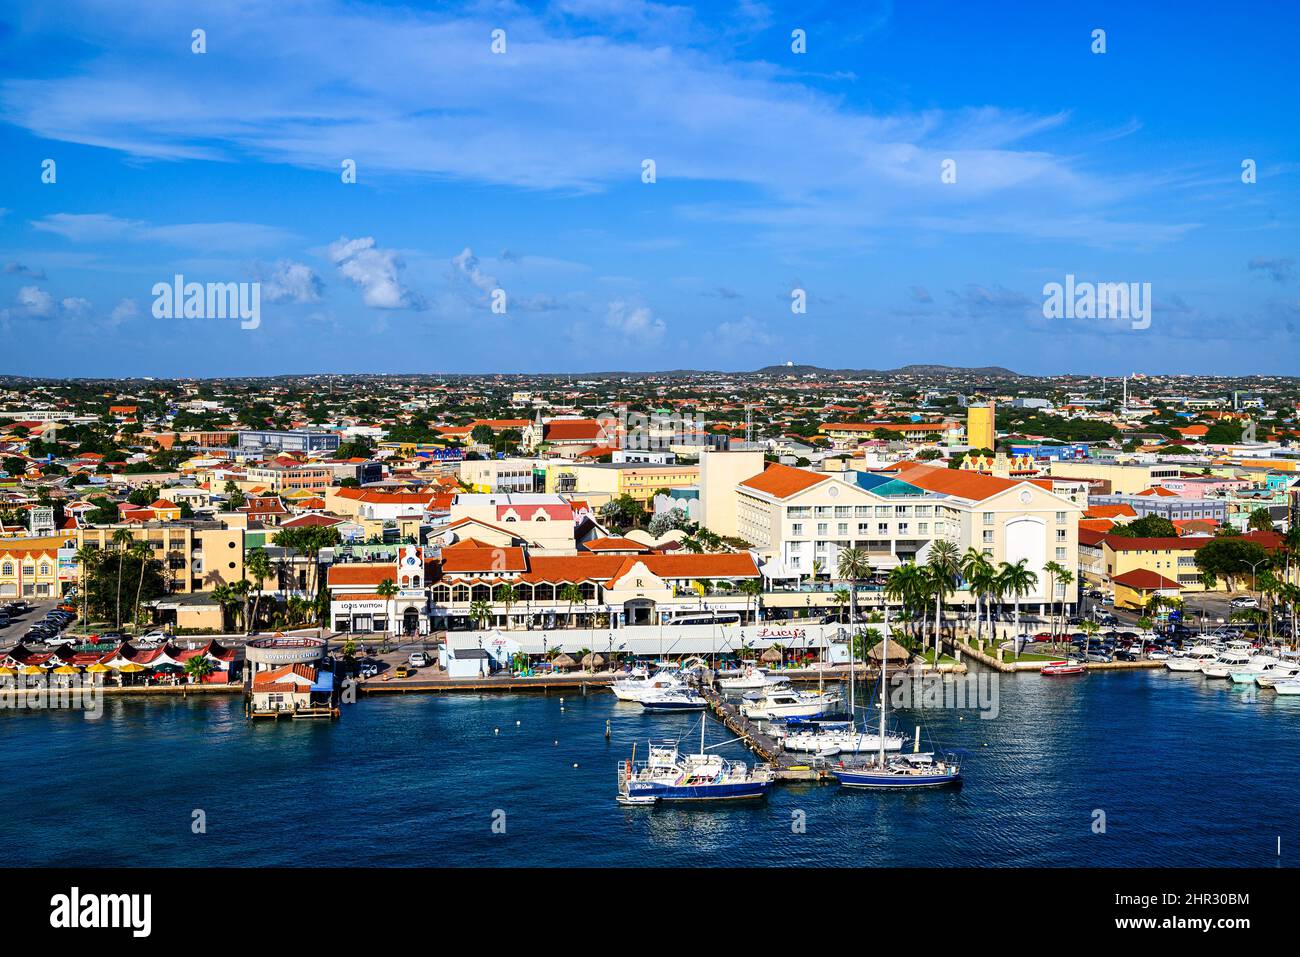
(496, 730)
(575, 764)
(518, 723)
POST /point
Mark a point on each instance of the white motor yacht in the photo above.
(1228, 661)
(1193, 659)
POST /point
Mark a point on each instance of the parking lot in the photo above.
(18, 624)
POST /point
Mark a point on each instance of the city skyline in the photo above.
(522, 171)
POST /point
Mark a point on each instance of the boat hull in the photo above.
(737, 791)
(675, 705)
(884, 781)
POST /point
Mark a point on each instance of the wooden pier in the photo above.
(789, 767)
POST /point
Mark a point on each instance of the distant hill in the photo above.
(929, 370)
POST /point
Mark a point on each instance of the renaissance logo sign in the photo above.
(214, 300)
(1104, 300)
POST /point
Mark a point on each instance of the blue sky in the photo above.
(521, 171)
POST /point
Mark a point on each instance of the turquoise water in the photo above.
(1187, 772)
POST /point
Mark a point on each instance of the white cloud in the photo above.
(102, 227)
(75, 306)
(467, 265)
(289, 281)
(376, 272)
(634, 322)
(564, 109)
(124, 310)
(35, 303)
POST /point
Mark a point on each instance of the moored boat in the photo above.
(1070, 667)
(669, 775)
(778, 704)
(1194, 659)
(674, 699)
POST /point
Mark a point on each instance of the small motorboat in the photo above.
(776, 705)
(674, 699)
(1288, 687)
(1233, 659)
(639, 683)
(1070, 667)
(1191, 660)
(750, 679)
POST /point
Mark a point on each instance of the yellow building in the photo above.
(1130, 563)
(610, 480)
(981, 433)
(29, 567)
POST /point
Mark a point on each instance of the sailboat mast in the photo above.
(884, 671)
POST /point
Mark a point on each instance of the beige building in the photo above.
(196, 556)
(799, 520)
(720, 474)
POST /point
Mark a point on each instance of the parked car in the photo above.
(1244, 601)
(417, 659)
(402, 671)
(368, 669)
(156, 636)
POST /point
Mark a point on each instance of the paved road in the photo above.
(18, 626)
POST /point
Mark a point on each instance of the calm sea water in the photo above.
(1187, 771)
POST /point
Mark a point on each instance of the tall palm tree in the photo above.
(89, 560)
(751, 588)
(480, 610)
(223, 596)
(387, 591)
(942, 567)
(1065, 578)
(1054, 571)
(978, 572)
(509, 597)
(257, 564)
(141, 552)
(840, 598)
(571, 593)
(905, 586)
(240, 592)
(1016, 580)
(121, 540)
(853, 566)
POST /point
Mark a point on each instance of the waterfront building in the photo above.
(1172, 558)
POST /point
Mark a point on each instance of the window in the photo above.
(796, 529)
(923, 528)
(882, 511)
(1060, 534)
(988, 518)
(902, 528)
(842, 528)
(988, 537)
(1060, 553)
(882, 528)
(822, 528)
(1060, 518)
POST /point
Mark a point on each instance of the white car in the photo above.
(417, 659)
(60, 640)
(155, 636)
(1244, 601)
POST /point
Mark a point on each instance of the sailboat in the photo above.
(899, 771)
(828, 738)
(669, 775)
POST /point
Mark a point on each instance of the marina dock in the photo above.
(789, 767)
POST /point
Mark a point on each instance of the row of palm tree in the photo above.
(916, 586)
(93, 560)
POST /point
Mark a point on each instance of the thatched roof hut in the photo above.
(772, 654)
(564, 661)
(897, 653)
(590, 660)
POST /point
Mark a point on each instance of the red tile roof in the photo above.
(1143, 579)
(782, 481)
